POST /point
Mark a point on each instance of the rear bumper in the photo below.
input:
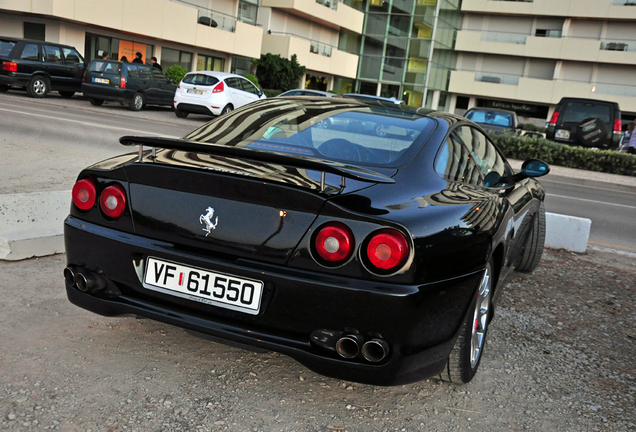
(197, 109)
(107, 93)
(420, 323)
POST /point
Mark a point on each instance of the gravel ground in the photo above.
(559, 358)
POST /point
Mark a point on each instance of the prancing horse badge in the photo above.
(207, 220)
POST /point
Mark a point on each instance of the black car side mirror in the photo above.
(532, 168)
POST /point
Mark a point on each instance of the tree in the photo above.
(276, 72)
(176, 73)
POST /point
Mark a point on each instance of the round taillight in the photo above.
(388, 250)
(112, 201)
(84, 194)
(334, 243)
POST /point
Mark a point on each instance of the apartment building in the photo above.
(527, 55)
(221, 35)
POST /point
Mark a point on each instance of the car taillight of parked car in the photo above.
(122, 82)
(10, 66)
(112, 201)
(388, 250)
(617, 126)
(220, 87)
(84, 194)
(554, 118)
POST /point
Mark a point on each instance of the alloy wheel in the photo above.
(480, 317)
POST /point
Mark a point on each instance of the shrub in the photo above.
(608, 161)
(276, 72)
(176, 73)
(253, 79)
(271, 92)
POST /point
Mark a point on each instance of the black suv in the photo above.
(586, 122)
(40, 67)
(136, 85)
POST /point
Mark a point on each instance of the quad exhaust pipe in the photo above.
(375, 350)
(85, 280)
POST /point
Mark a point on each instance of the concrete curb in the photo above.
(34, 222)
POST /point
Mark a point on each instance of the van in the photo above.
(586, 122)
(40, 67)
(133, 84)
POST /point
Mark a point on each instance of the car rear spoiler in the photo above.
(345, 171)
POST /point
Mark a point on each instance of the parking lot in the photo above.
(559, 354)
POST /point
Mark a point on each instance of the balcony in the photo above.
(343, 17)
(592, 9)
(315, 56)
(537, 90)
(555, 48)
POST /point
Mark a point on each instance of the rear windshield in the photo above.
(200, 79)
(494, 118)
(6, 46)
(576, 112)
(344, 132)
(104, 66)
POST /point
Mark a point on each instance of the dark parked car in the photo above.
(586, 122)
(377, 259)
(136, 85)
(494, 120)
(40, 67)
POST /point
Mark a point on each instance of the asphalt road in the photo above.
(46, 142)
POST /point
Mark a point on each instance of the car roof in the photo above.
(17, 39)
(219, 75)
(372, 97)
(587, 100)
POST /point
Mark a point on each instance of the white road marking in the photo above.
(89, 124)
(591, 201)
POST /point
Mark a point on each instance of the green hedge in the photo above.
(608, 161)
(271, 92)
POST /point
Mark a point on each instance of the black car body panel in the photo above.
(586, 122)
(250, 216)
(117, 81)
(60, 64)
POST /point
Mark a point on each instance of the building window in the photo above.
(241, 65)
(247, 11)
(97, 46)
(171, 57)
(34, 31)
(209, 63)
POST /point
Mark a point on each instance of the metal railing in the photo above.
(504, 37)
(315, 47)
(211, 18)
(618, 46)
(332, 4)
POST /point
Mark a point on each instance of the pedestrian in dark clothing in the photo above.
(138, 58)
(153, 60)
(105, 56)
(124, 59)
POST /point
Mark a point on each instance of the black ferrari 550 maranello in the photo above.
(369, 242)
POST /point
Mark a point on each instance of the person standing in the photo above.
(138, 57)
(155, 64)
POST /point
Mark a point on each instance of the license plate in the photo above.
(193, 91)
(101, 80)
(562, 133)
(218, 289)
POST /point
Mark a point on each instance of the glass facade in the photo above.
(97, 46)
(402, 42)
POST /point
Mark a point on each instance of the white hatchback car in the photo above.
(213, 93)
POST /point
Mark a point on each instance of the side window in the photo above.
(157, 75)
(233, 82)
(72, 57)
(133, 71)
(248, 86)
(144, 72)
(453, 162)
(30, 52)
(52, 54)
(492, 166)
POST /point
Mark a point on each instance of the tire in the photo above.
(67, 94)
(531, 254)
(137, 103)
(592, 132)
(38, 87)
(227, 109)
(467, 352)
(96, 102)
(180, 114)
(4, 88)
